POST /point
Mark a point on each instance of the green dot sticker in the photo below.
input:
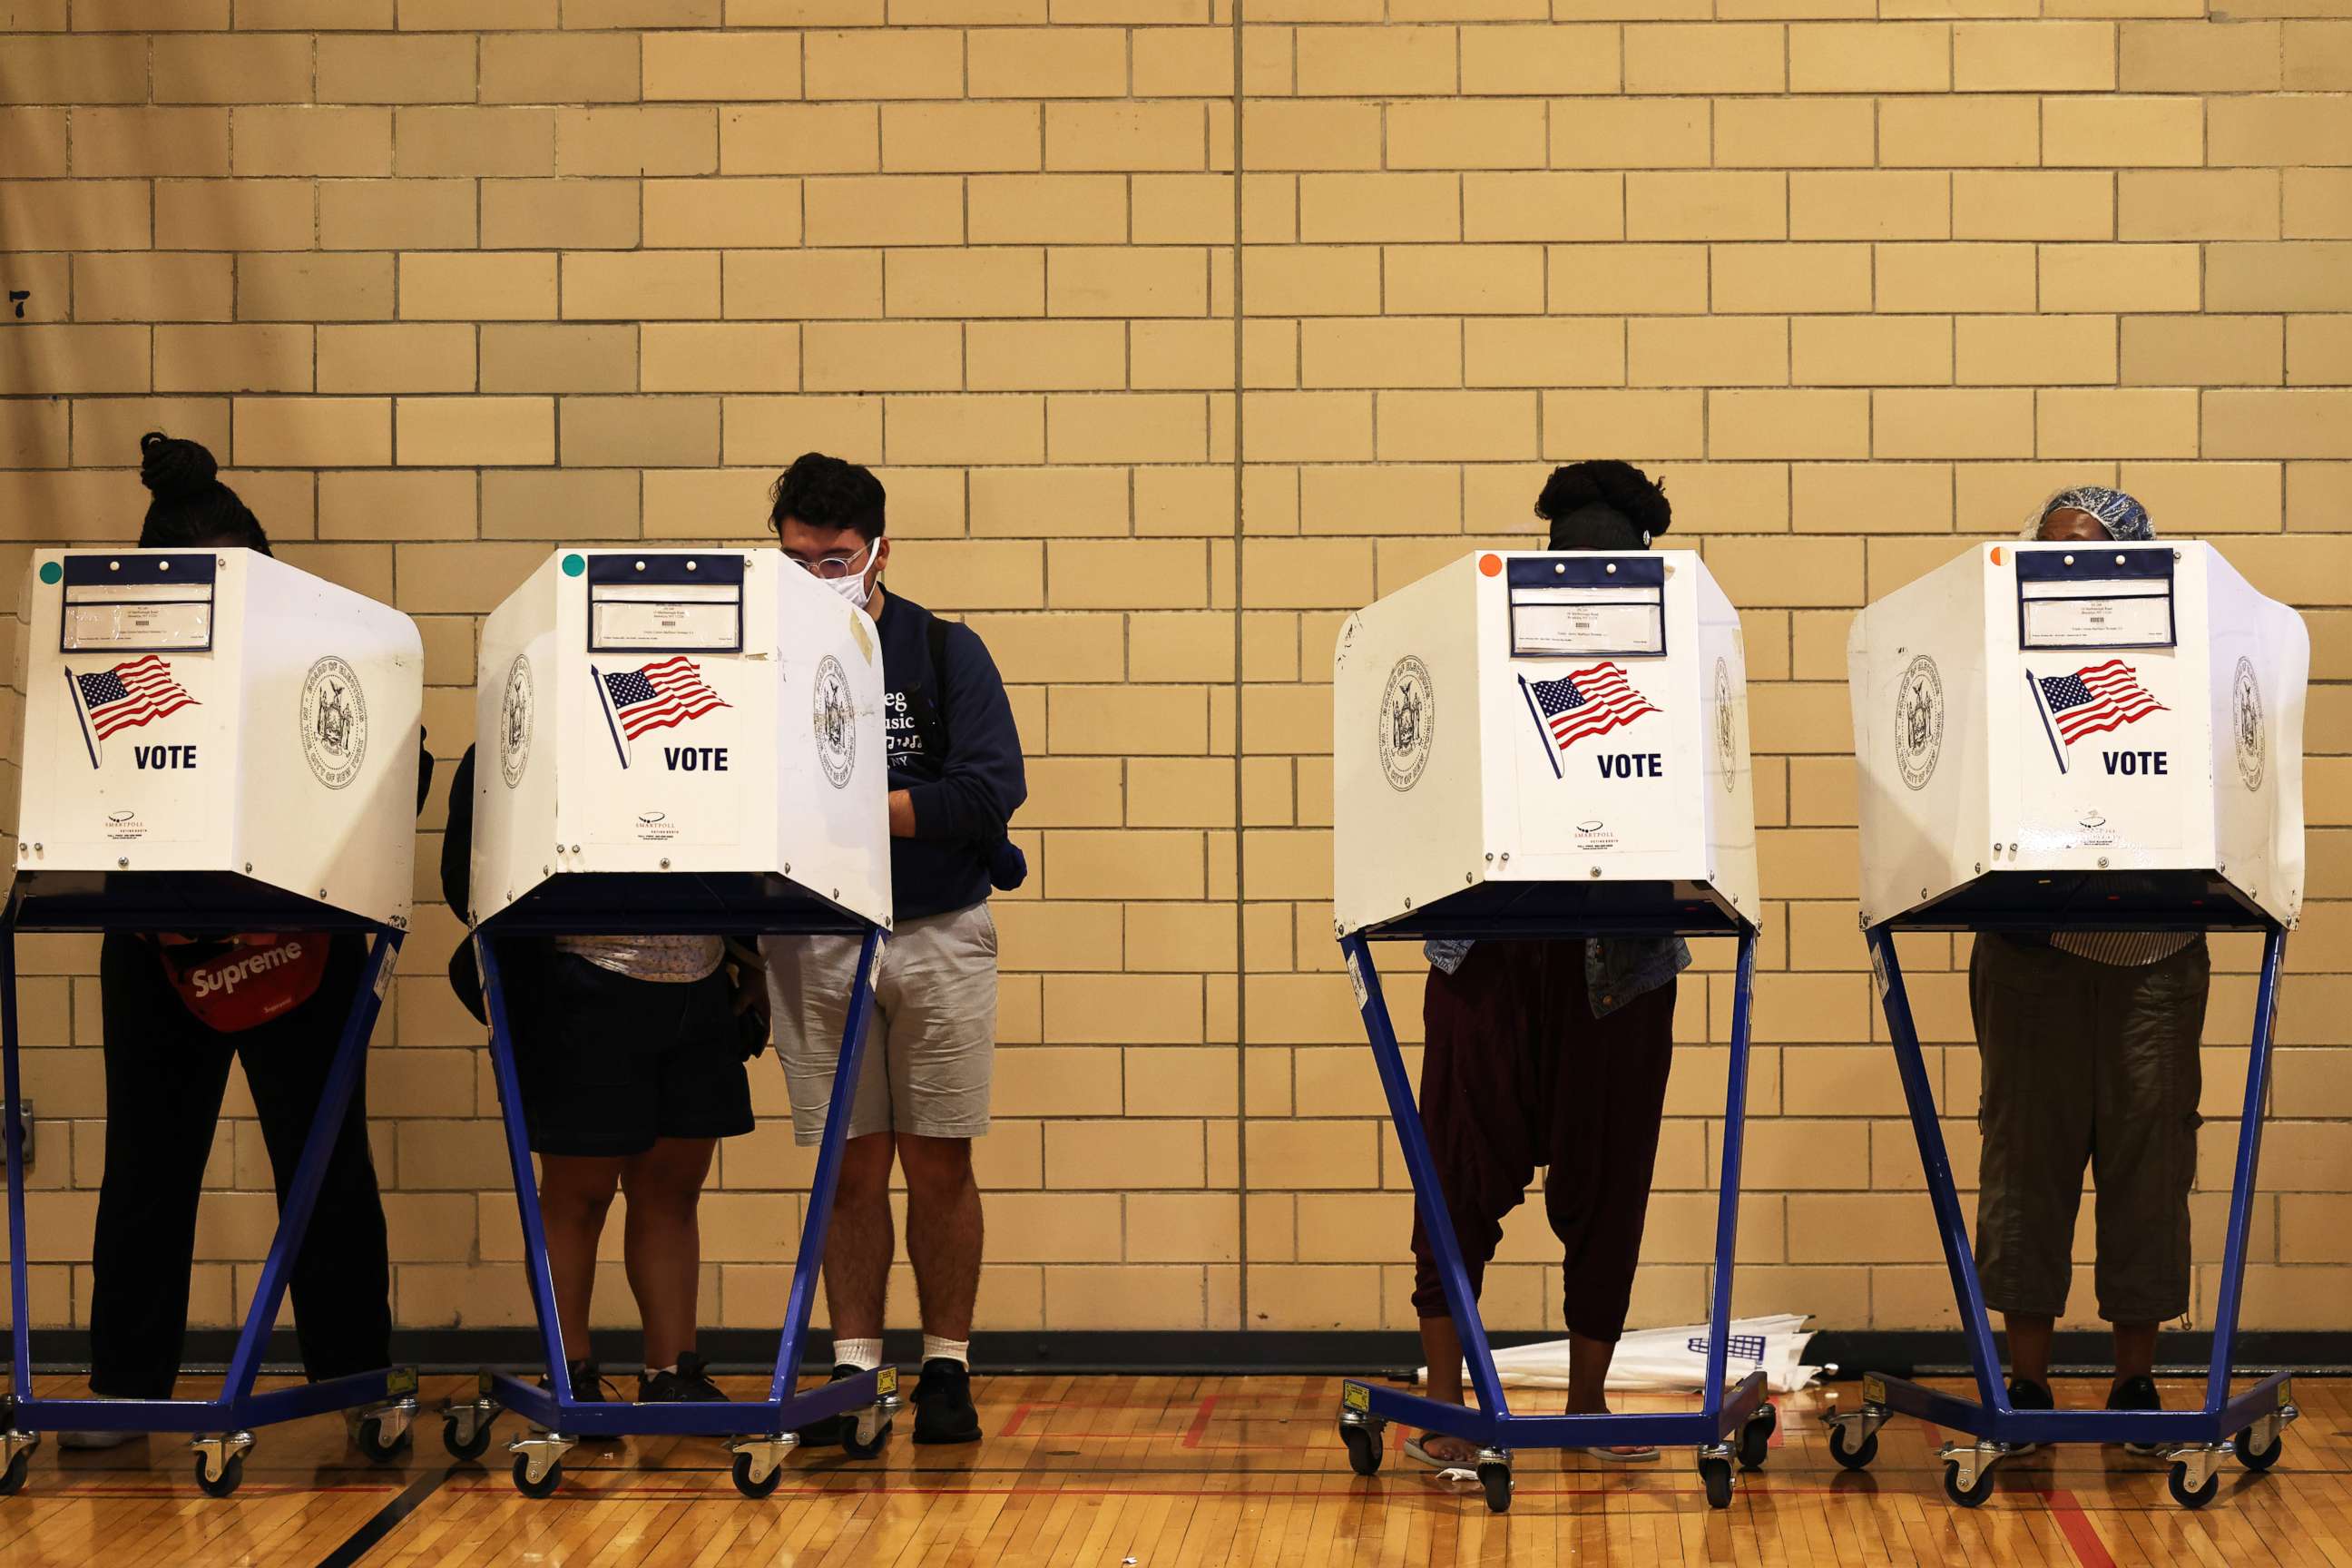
(574, 564)
(51, 571)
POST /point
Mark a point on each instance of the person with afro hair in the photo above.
(1551, 1053)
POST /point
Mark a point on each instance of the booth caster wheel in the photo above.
(1715, 1474)
(11, 1479)
(2259, 1458)
(1972, 1495)
(375, 1445)
(2187, 1496)
(1852, 1455)
(755, 1490)
(1495, 1477)
(858, 1448)
(471, 1443)
(1756, 1437)
(1365, 1440)
(549, 1479)
(232, 1473)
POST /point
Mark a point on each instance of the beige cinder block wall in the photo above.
(450, 282)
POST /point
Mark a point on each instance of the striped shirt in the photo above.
(2123, 949)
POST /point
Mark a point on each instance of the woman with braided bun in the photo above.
(171, 1022)
(1554, 1054)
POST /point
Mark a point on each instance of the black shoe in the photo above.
(2136, 1394)
(689, 1384)
(944, 1411)
(826, 1431)
(588, 1387)
(2024, 1393)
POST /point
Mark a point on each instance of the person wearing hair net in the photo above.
(1551, 1053)
(2088, 1045)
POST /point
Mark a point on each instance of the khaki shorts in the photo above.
(930, 1039)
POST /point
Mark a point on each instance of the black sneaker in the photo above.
(2136, 1394)
(826, 1431)
(689, 1384)
(2024, 1393)
(588, 1387)
(943, 1410)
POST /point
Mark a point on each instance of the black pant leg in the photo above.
(1605, 1122)
(341, 1278)
(164, 1075)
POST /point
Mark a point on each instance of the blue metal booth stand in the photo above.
(2249, 1424)
(1526, 911)
(196, 904)
(759, 1432)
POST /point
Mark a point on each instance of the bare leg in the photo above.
(1587, 1383)
(2135, 1349)
(861, 1243)
(575, 1193)
(2028, 1345)
(943, 1231)
(662, 1241)
(1440, 1347)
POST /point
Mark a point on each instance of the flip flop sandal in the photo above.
(1643, 1456)
(1446, 1470)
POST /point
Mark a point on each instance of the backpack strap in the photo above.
(935, 707)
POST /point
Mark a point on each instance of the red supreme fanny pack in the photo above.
(235, 985)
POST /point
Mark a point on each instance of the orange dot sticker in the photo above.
(1996, 554)
(1491, 566)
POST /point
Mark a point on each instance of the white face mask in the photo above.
(855, 588)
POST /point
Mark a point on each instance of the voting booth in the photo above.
(2078, 737)
(1532, 744)
(675, 741)
(211, 742)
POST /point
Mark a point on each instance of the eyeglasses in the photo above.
(831, 567)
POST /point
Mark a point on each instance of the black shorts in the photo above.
(611, 1063)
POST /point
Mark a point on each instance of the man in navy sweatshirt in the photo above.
(956, 779)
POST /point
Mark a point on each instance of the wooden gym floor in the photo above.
(1157, 1472)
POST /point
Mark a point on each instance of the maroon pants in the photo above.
(1518, 1073)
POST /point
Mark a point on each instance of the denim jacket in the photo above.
(1616, 969)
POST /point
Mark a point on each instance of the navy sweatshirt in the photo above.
(963, 799)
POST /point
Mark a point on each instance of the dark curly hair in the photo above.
(1603, 504)
(191, 507)
(828, 492)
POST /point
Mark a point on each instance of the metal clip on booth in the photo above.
(1532, 745)
(677, 742)
(2078, 737)
(212, 742)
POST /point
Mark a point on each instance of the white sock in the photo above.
(863, 1355)
(937, 1349)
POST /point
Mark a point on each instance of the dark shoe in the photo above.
(689, 1384)
(943, 1410)
(2024, 1393)
(2136, 1394)
(588, 1387)
(825, 1432)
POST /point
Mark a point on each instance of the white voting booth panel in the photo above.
(2032, 711)
(215, 712)
(680, 713)
(1524, 717)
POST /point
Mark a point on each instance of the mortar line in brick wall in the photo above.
(1241, 839)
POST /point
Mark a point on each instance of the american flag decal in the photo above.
(660, 695)
(130, 694)
(2094, 700)
(1586, 702)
